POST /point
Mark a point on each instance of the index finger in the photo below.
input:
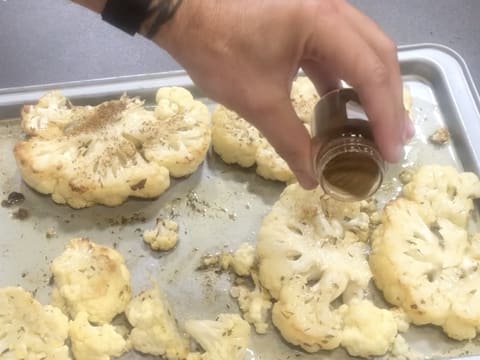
(350, 56)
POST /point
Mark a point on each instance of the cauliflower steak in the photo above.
(238, 142)
(423, 258)
(313, 260)
(86, 155)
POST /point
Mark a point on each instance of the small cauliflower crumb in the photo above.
(95, 342)
(406, 176)
(440, 136)
(401, 351)
(255, 304)
(163, 237)
(243, 259)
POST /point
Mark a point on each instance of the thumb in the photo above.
(286, 133)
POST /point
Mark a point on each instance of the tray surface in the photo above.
(219, 206)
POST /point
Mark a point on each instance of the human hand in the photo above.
(245, 54)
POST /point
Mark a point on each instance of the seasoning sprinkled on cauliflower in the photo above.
(227, 338)
(422, 256)
(164, 236)
(95, 342)
(91, 278)
(445, 191)
(238, 142)
(86, 155)
(29, 330)
(155, 329)
(312, 259)
(255, 303)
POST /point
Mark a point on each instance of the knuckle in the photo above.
(388, 48)
(325, 8)
(379, 73)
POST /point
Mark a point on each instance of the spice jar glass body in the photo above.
(347, 163)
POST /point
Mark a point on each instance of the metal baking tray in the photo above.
(219, 206)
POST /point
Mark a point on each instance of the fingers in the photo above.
(371, 69)
(324, 80)
(386, 50)
(286, 133)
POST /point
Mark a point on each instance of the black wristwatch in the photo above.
(129, 15)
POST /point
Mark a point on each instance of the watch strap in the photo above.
(127, 15)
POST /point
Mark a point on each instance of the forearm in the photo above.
(94, 5)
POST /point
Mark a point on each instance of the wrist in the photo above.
(193, 23)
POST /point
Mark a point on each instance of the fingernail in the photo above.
(307, 182)
(399, 153)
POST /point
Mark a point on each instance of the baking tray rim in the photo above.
(181, 78)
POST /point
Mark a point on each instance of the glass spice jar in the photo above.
(347, 163)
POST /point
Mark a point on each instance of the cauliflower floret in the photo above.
(313, 261)
(227, 338)
(368, 330)
(92, 278)
(48, 117)
(29, 330)
(445, 191)
(422, 258)
(84, 155)
(163, 237)
(95, 342)
(243, 259)
(155, 329)
(238, 142)
(255, 303)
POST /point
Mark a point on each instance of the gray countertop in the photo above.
(48, 41)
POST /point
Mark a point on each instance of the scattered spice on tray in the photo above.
(21, 214)
(51, 233)
(14, 198)
(123, 220)
(440, 137)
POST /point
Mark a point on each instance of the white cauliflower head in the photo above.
(95, 342)
(313, 260)
(91, 278)
(104, 154)
(29, 330)
(445, 191)
(238, 142)
(164, 236)
(155, 329)
(227, 338)
(423, 258)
